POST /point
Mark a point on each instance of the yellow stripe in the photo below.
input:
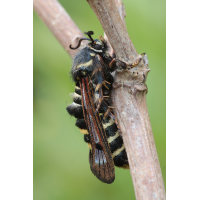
(95, 49)
(92, 54)
(85, 65)
(111, 138)
(111, 122)
(84, 131)
(89, 145)
(118, 151)
(124, 166)
(75, 96)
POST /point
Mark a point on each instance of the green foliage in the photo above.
(61, 163)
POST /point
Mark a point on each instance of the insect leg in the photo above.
(108, 112)
(118, 63)
(112, 64)
(137, 61)
(116, 122)
(99, 100)
(99, 94)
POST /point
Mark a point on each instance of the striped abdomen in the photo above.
(112, 133)
(115, 141)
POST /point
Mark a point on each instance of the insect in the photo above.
(92, 106)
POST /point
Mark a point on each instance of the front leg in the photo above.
(118, 63)
(137, 61)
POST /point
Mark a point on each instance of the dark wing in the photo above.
(101, 162)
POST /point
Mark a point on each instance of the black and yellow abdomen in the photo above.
(112, 133)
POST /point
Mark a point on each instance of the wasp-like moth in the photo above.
(91, 71)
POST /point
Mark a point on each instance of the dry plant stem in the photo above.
(122, 13)
(120, 7)
(59, 22)
(129, 100)
(114, 29)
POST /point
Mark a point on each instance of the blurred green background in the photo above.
(61, 157)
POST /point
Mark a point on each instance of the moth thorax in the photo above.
(100, 43)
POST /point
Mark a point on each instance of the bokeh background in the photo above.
(61, 163)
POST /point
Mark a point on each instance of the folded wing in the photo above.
(101, 162)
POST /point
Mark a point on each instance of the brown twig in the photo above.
(59, 22)
(122, 13)
(129, 100)
(115, 31)
(129, 95)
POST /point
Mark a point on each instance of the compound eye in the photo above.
(97, 46)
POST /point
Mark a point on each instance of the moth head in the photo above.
(95, 45)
